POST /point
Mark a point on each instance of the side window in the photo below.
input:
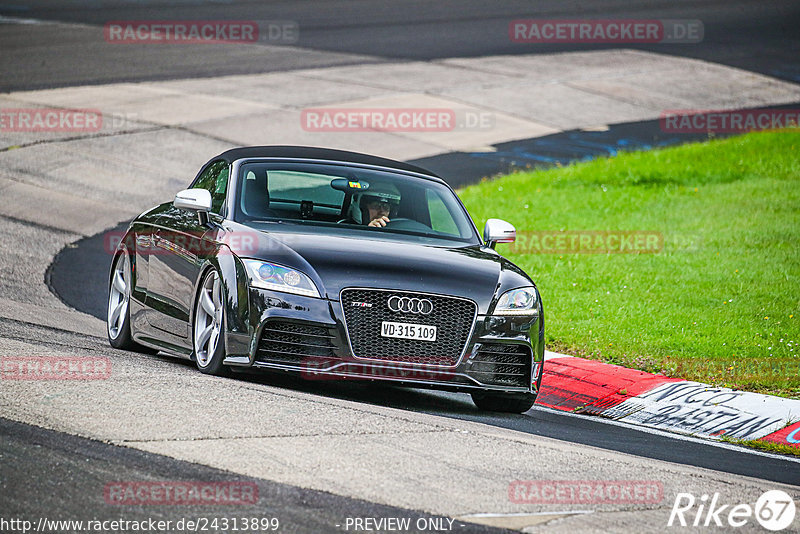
(441, 219)
(215, 180)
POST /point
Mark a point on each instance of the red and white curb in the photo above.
(585, 386)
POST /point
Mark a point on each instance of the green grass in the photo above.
(720, 303)
(767, 446)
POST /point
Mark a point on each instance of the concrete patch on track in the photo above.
(146, 490)
(523, 96)
(575, 90)
(23, 124)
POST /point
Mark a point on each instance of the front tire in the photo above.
(208, 329)
(506, 403)
(118, 319)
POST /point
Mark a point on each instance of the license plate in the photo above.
(420, 332)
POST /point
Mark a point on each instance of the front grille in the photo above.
(285, 342)
(502, 364)
(452, 317)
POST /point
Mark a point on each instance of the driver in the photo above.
(375, 206)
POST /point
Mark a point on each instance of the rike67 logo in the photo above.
(774, 510)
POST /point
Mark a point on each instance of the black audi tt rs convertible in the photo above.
(329, 264)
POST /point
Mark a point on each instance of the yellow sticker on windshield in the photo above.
(356, 185)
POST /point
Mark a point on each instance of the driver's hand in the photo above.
(380, 222)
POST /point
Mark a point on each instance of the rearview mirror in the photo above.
(498, 231)
(349, 186)
(197, 200)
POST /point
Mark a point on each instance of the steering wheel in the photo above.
(404, 223)
(399, 220)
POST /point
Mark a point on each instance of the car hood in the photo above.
(337, 262)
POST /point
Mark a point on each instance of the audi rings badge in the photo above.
(410, 305)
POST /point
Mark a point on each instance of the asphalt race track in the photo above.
(757, 36)
(72, 452)
(69, 469)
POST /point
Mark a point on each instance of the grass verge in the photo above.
(767, 446)
(715, 297)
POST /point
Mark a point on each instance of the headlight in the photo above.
(521, 301)
(279, 278)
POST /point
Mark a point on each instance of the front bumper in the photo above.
(308, 336)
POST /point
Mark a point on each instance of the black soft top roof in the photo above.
(307, 152)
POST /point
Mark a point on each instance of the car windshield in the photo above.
(342, 199)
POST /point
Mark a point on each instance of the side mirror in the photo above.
(498, 231)
(197, 200)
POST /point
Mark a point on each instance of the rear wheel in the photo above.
(207, 332)
(504, 402)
